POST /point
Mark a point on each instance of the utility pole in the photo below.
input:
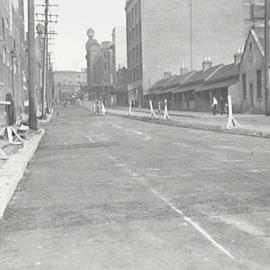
(45, 59)
(191, 35)
(266, 55)
(31, 66)
(46, 20)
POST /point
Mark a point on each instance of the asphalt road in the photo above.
(115, 194)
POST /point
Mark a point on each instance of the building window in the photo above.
(259, 84)
(244, 82)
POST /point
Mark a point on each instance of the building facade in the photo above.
(252, 84)
(68, 83)
(103, 72)
(164, 34)
(13, 55)
(92, 50)
(194, 90)
(119, 91)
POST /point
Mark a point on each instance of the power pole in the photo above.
(266, 52)
(31, 66)
(46, 20)
(191, 35)
(45, 59)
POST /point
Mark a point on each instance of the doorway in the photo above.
(251, 94)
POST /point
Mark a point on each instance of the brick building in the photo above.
(193, 91)
(68, 83)
(119, 91)
(103, 72)
(92, 50)
(164, 34)
(252, 85)
(13, 69)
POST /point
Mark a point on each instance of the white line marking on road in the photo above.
(242, 225)
(91, 140)
(120, 165)
(116, 126)
(151, 174)
(138, 132)
(193, 224)
(147, 138)
(232, 160)
(182, 144)
(258, 171)
(187, 219)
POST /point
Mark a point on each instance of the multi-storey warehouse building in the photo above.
(103, 71)
(13, 70)
(162, 35)
(68, 83)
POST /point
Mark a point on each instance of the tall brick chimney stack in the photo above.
(238, 56)
(167, 74)
(207, 63)
(183, 69)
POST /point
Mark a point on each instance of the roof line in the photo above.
(258, 42)
(188, 77)
(214, 72)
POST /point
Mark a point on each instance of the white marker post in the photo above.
(103, 110)
(232, 123)
(130, 108)
(153, 114)
(166, 114)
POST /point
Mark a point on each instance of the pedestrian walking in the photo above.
(214, 106)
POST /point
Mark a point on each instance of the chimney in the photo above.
(183, 69)
(207, 63)
(167, 74)
(238, 56)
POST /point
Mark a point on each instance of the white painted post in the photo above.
(232, 123)
(151, 109)
(103, 110)
(166, 114)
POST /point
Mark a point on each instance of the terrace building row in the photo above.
(194, 90)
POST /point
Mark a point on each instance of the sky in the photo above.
(75, 17)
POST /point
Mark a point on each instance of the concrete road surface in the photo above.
(115, 194)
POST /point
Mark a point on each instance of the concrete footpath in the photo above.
(13, 169)
(251, 125)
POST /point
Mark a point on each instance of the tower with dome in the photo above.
(92, 49)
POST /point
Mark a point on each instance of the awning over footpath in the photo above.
(218, 85)
(166, 91)
(187, 88)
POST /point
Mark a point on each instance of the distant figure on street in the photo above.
(214, 106)
(222, 105)
(159, 106)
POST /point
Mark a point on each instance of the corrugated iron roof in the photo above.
(218, 84)
(225, 72)
(201, 75)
